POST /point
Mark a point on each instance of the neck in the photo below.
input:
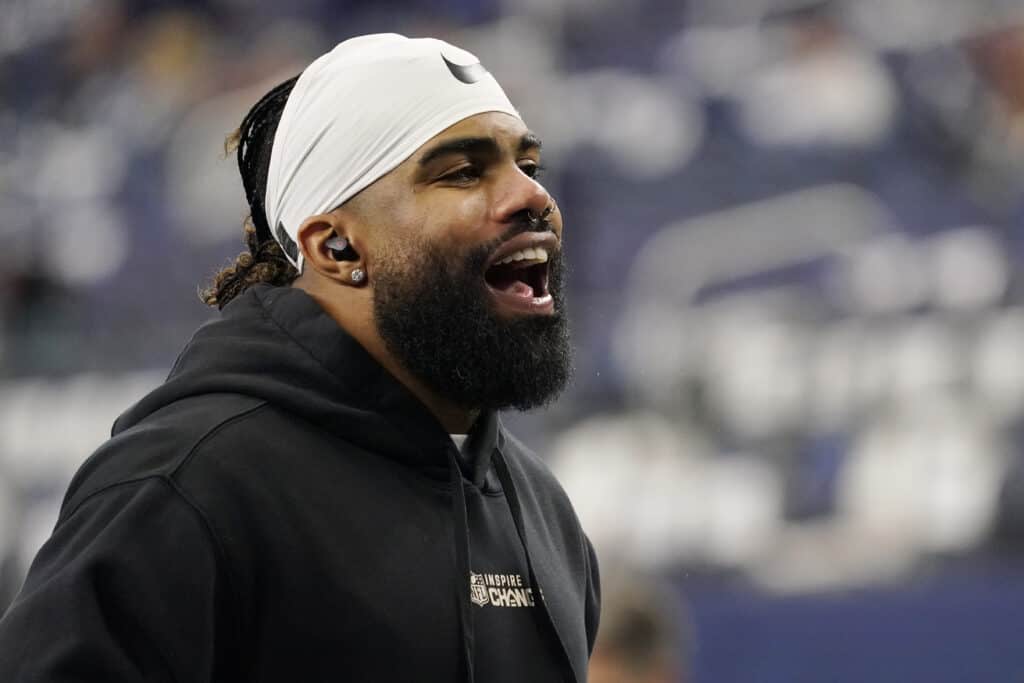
(454, 418)
(356, 318)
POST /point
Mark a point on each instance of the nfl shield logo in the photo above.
(477, 589)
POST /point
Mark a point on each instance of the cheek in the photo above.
(456, 220)
(404, 223)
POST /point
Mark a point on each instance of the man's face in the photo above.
(467, 282)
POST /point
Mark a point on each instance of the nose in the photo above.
(519, 195)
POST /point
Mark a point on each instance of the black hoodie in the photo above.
(282, 509)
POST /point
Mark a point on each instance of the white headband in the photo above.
(359, 111)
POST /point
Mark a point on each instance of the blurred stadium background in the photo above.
(797, 237)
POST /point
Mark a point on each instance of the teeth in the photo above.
(538, 254)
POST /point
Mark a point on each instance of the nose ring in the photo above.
(548, 210)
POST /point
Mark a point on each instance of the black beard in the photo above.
(438, 322)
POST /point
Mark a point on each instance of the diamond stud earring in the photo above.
(358, 275)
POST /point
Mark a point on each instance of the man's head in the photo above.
(463, 277)
(458, 245)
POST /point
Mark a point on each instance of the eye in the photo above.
(532, 169)
(462, 175)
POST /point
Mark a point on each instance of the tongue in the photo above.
(519, 288)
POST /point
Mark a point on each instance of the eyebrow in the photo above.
(476, 145)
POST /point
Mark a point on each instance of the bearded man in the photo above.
(321, 490)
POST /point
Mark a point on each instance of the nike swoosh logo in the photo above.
(467, 74)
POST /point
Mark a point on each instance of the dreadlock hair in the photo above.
(265, 261)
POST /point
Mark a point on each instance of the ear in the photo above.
(318, 234)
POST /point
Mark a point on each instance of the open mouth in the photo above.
(519, 280)
(524, 273)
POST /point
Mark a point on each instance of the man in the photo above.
(291, 505)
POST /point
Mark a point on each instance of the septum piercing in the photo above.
(548, 210)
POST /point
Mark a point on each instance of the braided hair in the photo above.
(265, 261)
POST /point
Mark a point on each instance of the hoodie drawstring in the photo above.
(462, 565)
(512, 497)
(462, 556)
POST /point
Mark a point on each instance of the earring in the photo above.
(358, 275)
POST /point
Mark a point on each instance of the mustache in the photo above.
(524, 221)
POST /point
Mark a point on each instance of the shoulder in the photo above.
(532, 466)
(231, 456)
(161, 445)
(538, 484)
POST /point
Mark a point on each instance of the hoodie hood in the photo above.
(277, 344)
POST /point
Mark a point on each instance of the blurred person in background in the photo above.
(818, 87)
(644, 636)
(992, 138)
(321, 488)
